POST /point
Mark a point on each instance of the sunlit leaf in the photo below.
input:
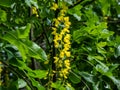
(3, 16)
(26, 47)
(21, 83)
(101, 44)
(23, 32)
(37, 84)
(38, 74)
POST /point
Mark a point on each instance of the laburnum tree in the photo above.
(59, 44)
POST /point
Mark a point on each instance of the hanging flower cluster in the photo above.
(61, 40)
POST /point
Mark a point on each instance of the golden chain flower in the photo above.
(34, 11)
(62, 41)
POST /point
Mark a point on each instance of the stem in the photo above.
(54, 51)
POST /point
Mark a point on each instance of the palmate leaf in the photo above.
(26, 47)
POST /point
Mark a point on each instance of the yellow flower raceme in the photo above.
(62, 41)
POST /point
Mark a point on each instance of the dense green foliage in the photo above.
(27, 49)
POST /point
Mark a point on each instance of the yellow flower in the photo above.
(65, 72)
(56, 22)
(60, 18)
(62, 32)
(67, 24)
(67, 53)
(56, 43)
(67, 36)
(60, 63)
(54, 29)
(34, 11)
(56, 59)
(66, 40)
(55, 6)
(66, 19)
(62, 54)
(60, 37)
(67, 63)
(68, 84)
(66, 30)
(66, 46)
(62, 12)
(46, 62)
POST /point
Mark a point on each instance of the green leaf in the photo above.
(104, 69)
(105, 5)
(58, 85)
(101, 44)
(74, 78)
(6, 3)
(21, 83)
(99, 57)
(32, 73)
(31, 2)
(26, 47)
(38, 74)
(23, 32)
(34, 50)
(3, 16)
(88, 77)
(101, 50)
(95, 57)
(69, 2)
(115, 81)
(117, 52)
(75, 11)
(20, 64)
(37, 84)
